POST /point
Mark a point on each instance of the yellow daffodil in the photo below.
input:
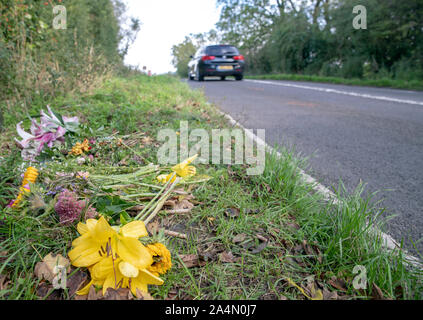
(30, 176)
(80, 148)
(162, 258)
(182, 169)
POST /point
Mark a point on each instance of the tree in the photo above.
(181, 55)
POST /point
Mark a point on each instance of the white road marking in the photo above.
(388, 241)
(348, 93)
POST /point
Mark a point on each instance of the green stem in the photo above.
(141, 214)
(160, 203)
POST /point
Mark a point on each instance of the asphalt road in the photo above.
(373, 135)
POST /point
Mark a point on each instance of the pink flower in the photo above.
(48, 132)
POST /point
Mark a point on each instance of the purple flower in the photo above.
(48, 132)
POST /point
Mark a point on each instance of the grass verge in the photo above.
(247, 237)
(384, 82)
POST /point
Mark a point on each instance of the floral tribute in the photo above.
(116, 258)
(79, 184)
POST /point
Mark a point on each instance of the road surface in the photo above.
(374, 135)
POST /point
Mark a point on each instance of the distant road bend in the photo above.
(374, 135)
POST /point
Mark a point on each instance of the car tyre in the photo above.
(222, 78)
(239, 78)
(200, 77)
(190, 77)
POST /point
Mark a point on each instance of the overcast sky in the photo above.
(164, 24)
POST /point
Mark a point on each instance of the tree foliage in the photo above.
(317, 37)
(38, 60)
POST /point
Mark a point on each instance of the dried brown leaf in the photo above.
(76, 282)
(94, 295)
(46, 268)
(226, 257)
(3, 282)
(118, 294)
(153, 227)
(232, 212)
(377, 293)
(192, 260)
(141, 295)
(338, 284)
(47, 292)
(239, 238)
(328, 295)
(259, 248)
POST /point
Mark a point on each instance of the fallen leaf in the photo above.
(251, 211)
(328, 295)
(153, 227)
(239, 238)
(47, 292)
(377, 293)
(269, 296)
(118, 294)
(259, 248)
(293, 225)
(232, 212)
(47, 270)
(141, 295)
(261, 238)
(147, 141)
(76, 282)
(192, 260)
(172, 294)
(338, 284)
(226, 257)
(183, 205)
(3, 282)
(94, 295)
(84, 297)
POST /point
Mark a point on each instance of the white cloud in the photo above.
(164, 24)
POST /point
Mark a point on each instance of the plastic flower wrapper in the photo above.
(50, 131)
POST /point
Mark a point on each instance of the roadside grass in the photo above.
(383, 82)
(251, 237)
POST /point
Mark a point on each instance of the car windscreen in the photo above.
(222, 51)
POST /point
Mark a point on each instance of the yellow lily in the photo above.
(117, 273)
(99, 240)
(115, 257)
(182, 169)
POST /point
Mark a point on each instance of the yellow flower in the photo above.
(118, 273)
(30, 176)
(162, 258)
(80, 148)
(115, 257)
(182, 169)
(98, 240)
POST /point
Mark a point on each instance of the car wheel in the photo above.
(239, 78)
(222, 78)
(200, 77)
(190, 77)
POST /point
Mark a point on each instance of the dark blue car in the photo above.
(216, 61)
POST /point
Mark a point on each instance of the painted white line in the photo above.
(388, 241)
(348, 93)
